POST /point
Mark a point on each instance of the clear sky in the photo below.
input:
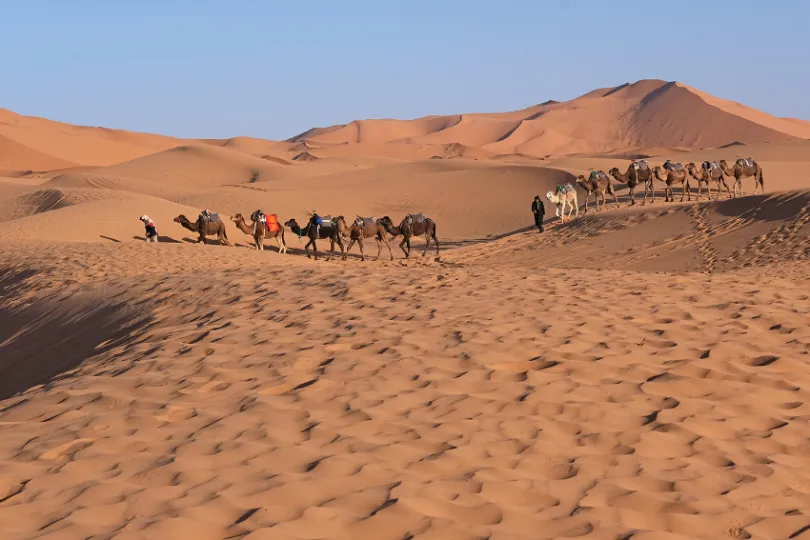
(206, 68)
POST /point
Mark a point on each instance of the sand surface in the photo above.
(640, 372)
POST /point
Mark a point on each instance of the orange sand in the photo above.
(639, 372)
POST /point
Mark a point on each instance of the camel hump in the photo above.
(673, 166)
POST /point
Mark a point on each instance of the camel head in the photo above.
(290, 223)
(581, 179)
(237, 218)
(723, 163)
(614, 172)
(550, 195)
(181, 219)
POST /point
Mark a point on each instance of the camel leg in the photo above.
(402, 246)
(339, 243)
(588, 196)
(306, 248)
(615, 197)
(632, 196)
(362, 253)
(427, 244)
(349, 248)
(436, 241)
(684, 190)
(379, 248)
(390, 253)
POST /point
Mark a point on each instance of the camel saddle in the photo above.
(258, 215)
(415, 218)
(270, 221)
(673, 166)
(564, 188)
(326, 221)
(361, 221)
(640, 164)
(213, 217)
(745, 162)
(709, 165)
(595, 175)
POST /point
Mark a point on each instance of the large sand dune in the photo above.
(639, 372)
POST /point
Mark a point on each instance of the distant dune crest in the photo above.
(631, 117)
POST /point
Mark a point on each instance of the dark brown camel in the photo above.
(638, 172)
(361, 229)
(597, 182)
(743, 168)
(260, 230)
(670, 174)
(412, 225)
(708, 172)
(205, 228)
(327, 229)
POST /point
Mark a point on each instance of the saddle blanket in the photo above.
(270, 222)
(641, 164)
(416, 218)
(672, 166)
(565, 188)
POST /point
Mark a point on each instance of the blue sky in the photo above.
(273, 69)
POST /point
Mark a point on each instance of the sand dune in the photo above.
(648, 113)
(639, 372)
(534, 386)
(16, 157)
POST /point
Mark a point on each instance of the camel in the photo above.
(560, 197)
(205, 228)
(361, 229)
(412, 225)
(708, 172)
(597, 182)
(327, 229)
(743, 168)
(260, 230)
(638, 172)
(673, 173)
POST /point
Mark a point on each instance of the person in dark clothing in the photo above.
(539, 212)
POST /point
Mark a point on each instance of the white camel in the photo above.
(564, 195)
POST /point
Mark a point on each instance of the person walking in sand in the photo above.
(539, 211)
(151, 230)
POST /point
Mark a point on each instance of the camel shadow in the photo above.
(454, 244)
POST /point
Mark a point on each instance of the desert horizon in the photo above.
(634, 368)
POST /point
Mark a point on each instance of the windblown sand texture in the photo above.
(636, 373)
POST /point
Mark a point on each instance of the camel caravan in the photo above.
(671, 174)
(334, 229)
(337, 230)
